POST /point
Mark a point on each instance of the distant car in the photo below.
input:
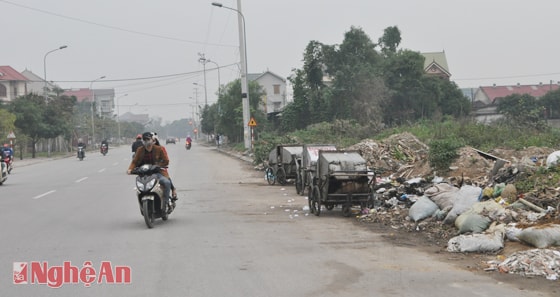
(170, 140)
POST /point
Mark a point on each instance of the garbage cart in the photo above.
(283, 163)
(342, 178)
(309, 158)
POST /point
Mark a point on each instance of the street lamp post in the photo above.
(244, 83)
(217, 67)
(119, 117)
(92, 101)
(45, 88)
(203, 60)
(219, 91)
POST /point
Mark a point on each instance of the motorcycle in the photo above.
(8, 161)
(150, 194)
(104, 149)
(3, 172)
(81, 153)
(188, 145)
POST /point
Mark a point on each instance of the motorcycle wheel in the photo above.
(148, 215)
(164, 215)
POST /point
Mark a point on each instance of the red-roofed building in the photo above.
(82, 95)
(486, 99)
(104, 99)
(12, 84)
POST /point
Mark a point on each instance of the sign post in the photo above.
(252, 124)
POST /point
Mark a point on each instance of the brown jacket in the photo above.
(160, 158)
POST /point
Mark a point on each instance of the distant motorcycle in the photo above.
(3, 172)
(188, 145)
(104, 149)
(81, 152)
(150, 194)
(8, 161)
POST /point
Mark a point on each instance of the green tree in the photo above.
(7, 120)
(390, 40)
(229, 110)
(296, 115)
(522, 111)
(403, 73)
(551, 102)
(37, 119)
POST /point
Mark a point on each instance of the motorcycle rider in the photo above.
(138, 143)
(105, 143)
(8, 151)
(153, 154)
(82, 144)
(188, 140)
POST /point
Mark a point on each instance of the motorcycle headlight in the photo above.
(143, 187)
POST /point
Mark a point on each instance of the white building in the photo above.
(275, 98)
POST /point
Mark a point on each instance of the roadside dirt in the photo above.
(436, 245)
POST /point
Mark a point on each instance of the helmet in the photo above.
(139, 136)
(147, 135)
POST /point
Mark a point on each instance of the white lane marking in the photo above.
(101, 170)
(116, 163)
(44, 194)
(82, 179)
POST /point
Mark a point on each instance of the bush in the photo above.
(443, 152)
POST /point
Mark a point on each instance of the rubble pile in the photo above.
(402, 155)
(469, 220)
(535, 262)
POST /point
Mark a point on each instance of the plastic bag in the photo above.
(464, 199)
(422, 208)
(541, 236)
(481, 242)
(442, 195)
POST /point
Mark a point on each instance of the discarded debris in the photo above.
(535, 262)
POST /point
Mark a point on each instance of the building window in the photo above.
(3, 92)
(276, 89)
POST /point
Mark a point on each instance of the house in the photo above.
(486, 99)
(35, 83)
(12, 84)
(135, 118)
(435, 64)
(104, 99)
(275, 98)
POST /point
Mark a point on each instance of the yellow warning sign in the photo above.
(252, 122)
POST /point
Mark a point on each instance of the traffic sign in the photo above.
(252, 122)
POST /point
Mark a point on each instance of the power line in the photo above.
(114, 27)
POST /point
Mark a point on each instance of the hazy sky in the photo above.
(150, 49)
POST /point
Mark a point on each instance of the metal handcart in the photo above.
(342, 178)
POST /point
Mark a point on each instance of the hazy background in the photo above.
(150, 49)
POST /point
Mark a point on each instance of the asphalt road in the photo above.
(231, 235)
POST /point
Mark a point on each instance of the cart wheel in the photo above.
(330, 206)
(299, 184)
(316, 201)
(310, 203)
(346, 210)
(269, 173)
(370, 202)
(281, 176)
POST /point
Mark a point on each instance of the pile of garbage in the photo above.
(476, 208)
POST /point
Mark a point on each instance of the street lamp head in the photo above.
(217, 4)
(63, 47)
(102, 77)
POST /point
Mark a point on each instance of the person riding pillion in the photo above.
(152, 154)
